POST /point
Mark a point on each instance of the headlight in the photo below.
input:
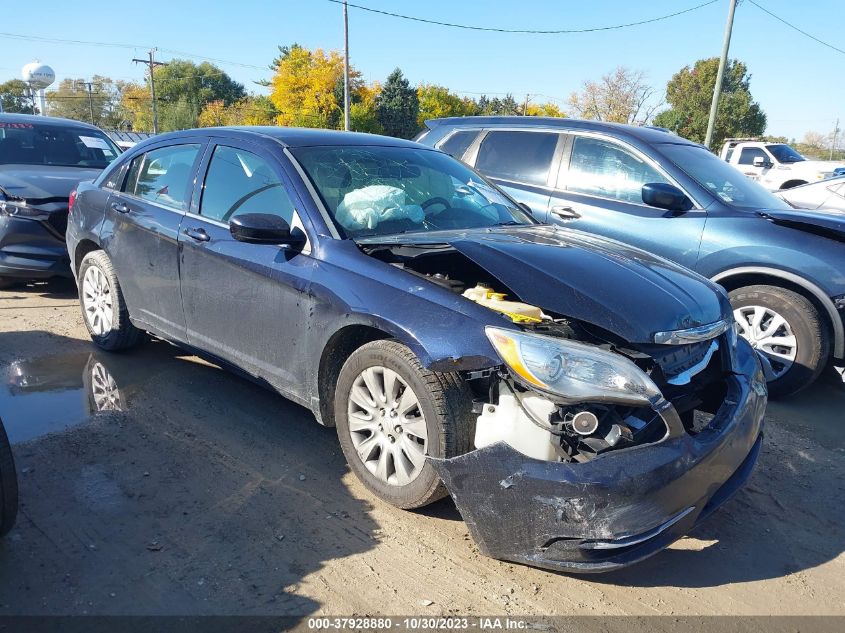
(575, 371)
(18, 209)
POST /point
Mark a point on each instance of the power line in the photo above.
(525, 31)
(57, 40)
(795, 28)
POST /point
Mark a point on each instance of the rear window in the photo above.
(49, 144)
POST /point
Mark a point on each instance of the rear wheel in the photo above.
(103, 307)
(392, 414)
(786, 331)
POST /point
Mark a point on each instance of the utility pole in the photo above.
(525, 105)
(720, 75)
(835, 134)
(152, 63)
(345, 67)
(89, 85)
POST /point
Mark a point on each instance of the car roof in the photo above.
(7, 117)
(295, 137)
(643, 133)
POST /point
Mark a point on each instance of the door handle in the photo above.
(120, 207)
(198, 235)
(566, 213)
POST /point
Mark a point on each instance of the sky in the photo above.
(797, 81)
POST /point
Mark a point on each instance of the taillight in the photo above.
(71, 200)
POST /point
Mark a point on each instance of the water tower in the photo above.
(38, 76)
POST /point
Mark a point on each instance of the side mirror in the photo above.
(760, 161)
(665, 196)
(264, 228)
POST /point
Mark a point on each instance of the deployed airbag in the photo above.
(366, 208)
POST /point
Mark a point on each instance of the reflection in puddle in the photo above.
(52, 393)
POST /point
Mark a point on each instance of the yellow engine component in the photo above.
(516, 311)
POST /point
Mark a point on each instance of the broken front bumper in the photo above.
(32, 248)
(619, 508)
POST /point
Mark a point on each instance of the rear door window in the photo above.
(457, 144)
(605, 169)
(518, 156)
(163, 175)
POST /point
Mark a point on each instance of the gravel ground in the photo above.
(206, 494)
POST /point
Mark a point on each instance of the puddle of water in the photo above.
(53, 393)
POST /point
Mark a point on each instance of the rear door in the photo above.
(141, 231)
(599, 190)
(522, 162)
(246, 303)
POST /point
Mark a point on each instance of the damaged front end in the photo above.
(592, 451)
(601, 483)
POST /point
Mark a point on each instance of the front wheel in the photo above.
(8, 485)
(786, 331)
(103, 307)
(392, 414)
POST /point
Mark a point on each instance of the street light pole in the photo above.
(720, 75)
(345, 67)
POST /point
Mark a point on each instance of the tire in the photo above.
(443, 400)
(810, 336)
(111, 329)
(8, 485)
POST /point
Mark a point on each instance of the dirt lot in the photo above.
(208, 495)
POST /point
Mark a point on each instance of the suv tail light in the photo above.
(71, 201)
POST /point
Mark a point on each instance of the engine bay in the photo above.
(538, 424)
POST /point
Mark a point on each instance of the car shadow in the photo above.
(55, 288)
(153, 483)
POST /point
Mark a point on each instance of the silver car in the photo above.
(825, 194)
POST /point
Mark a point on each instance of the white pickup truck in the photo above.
(775, 165)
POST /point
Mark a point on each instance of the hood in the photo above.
(612, 286)
(827, 223)
(38, 184)
(820, 165)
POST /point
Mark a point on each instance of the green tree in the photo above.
(71, 100)
(15, 97)
(438, 101)
(397, 106)
(690, 92)
(506, 106)
(183, 88)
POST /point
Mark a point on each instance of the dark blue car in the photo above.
(455, 342)
(42, 159)
(654, 190)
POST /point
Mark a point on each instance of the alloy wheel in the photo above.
(771, 336)
(97, 301)
(387, 426)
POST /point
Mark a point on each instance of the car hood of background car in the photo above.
(828, 223)
(573, 274)
(43, 183)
